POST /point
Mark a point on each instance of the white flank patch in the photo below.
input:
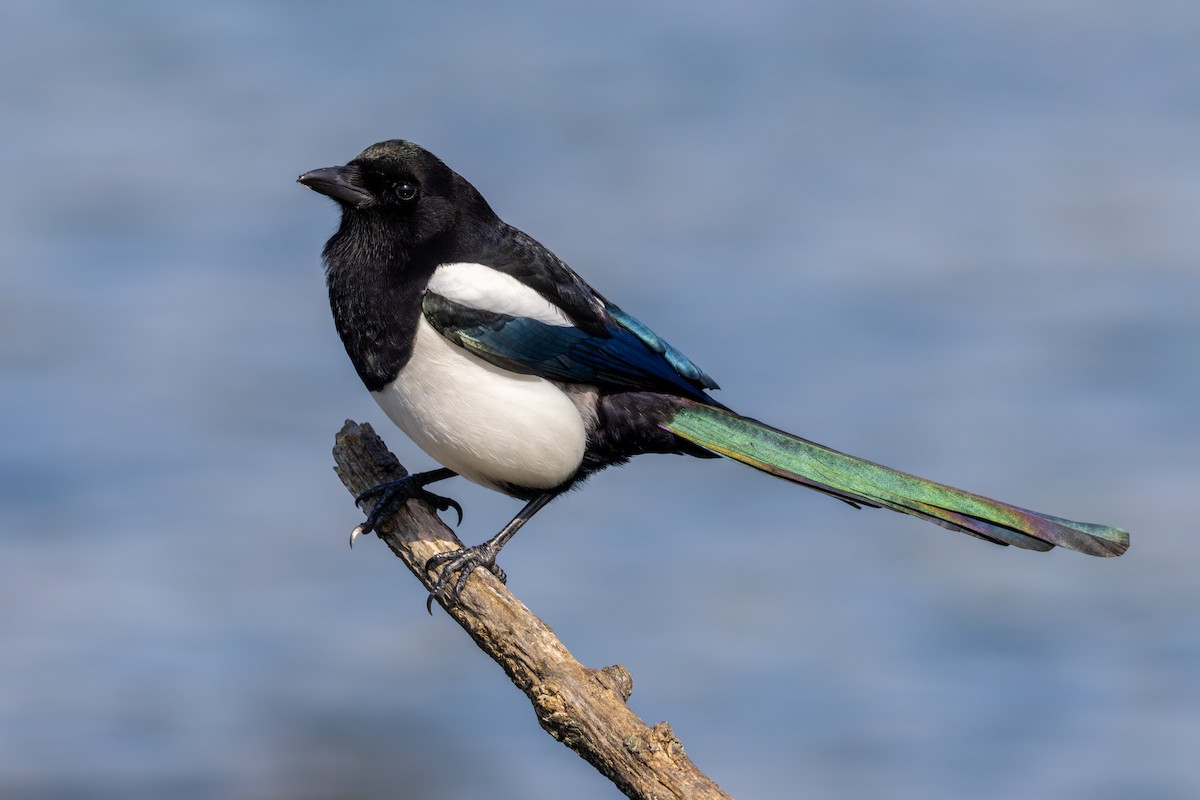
(477, 286)
(487, 424)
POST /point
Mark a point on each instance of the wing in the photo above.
(507, 323)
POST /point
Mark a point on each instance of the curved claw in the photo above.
(444, 504)
(462, 563)
(391, 496)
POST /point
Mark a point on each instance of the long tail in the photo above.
(862, 483)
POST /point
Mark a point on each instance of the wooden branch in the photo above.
(582, 708)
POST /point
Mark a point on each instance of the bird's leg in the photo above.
(467, 559)
(393, 494)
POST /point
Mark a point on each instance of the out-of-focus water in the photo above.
(958, 239)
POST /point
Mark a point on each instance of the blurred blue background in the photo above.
(959, 239)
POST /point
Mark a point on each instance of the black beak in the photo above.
(343, 184)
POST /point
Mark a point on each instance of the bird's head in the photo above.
(402, 185)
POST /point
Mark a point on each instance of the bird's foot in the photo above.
(461, 562)
(393, 494)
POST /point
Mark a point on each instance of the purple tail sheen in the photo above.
(863, 483)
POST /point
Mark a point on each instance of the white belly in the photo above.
(487, 424)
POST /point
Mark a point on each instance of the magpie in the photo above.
(507, 368)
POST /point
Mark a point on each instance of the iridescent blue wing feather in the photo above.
(622, 355)
(678, 361)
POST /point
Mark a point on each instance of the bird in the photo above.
(507, 368)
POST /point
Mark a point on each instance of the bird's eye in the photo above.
(406, 191)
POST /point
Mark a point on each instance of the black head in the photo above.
(404, 186)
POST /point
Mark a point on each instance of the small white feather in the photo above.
(481, 287)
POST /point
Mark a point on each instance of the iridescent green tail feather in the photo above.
(863, 483)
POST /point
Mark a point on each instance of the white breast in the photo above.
(487, 424)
